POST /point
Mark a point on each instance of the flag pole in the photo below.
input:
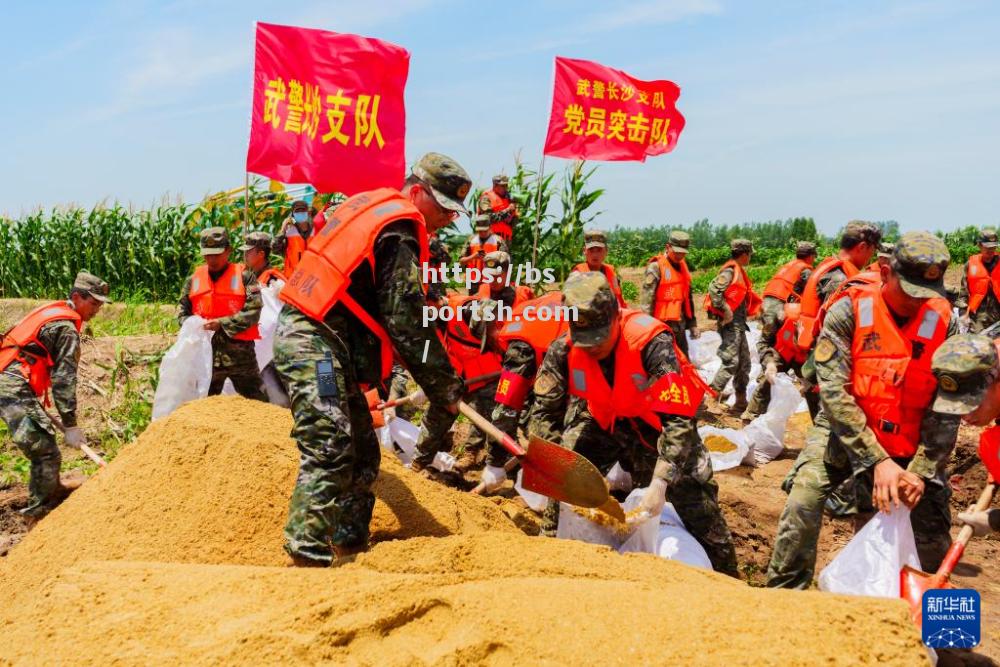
(246, 202)
(538, 211)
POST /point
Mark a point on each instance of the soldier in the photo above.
(595, 251)
(666, 290)
(502, 211)
(978, 297)
(295, 232)
(482, 242)
(614, 390)
(785, 286)
(257, 255)
(731, 301)
(967, 368)
(228, 296)
(884, 255)
(40, 352)
(463, 341)
(437, 288)
(339, 329)
(883, 432)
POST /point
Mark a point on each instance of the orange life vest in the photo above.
(464, 348)
(673, 292)
(487, 245)
(989, 448)
(294, 248)
(539, 330)
(807, 322)
(980, 281)
(269, 275)
(782, 285)
(739, 290)
(891, 377)
(25, 333)
(222, 298)
(497, 204)
(324, 273)
(630, 396)
(609, 273)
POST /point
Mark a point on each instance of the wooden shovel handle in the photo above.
(985, 500)
(489, 429)
(93, 456)
(508, 468)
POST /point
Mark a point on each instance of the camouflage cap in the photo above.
(501, 179)
(596, 307)
(805, 249)
(964, 365)
(920, 260)
(679, 241)
(740, 246)
(446, 179)
(595, 238)
(859, 230)
(885, 249)
(259, 240)
(214, 241)
(988, 238)
(496, 259)
(300, 205)
(481, 221)
(93, 285)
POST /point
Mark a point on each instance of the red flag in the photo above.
(600, 113)
(328, 109)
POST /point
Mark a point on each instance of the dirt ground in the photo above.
(751, 498)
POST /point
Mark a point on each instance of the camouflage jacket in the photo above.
(647, 300)
(989, 310)
(717, 294)
(62, 343)
(508, 215)
(234, 324)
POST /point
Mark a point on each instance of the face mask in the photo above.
(300, 216)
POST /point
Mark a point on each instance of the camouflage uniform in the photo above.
(486, 207)
(680, 243)
(772, 316)
(280, 243)
(734, 351)
(338, 454)
(27, 422)
(439, 255)
(840, 444)
(674, 453)
(988, 311)
(231, 358)
(481, 222)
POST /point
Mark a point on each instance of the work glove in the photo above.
(978, 521)
(74, 437)
(418, 398)
(771, 372)
(389, 414)
(695, 333)
(654, 498)
(727, 316)
(493, 477)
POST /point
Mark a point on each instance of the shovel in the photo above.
(913, 583)
(551, 470)
(418, 396)
(91, 454)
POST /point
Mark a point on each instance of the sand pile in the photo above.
(204, 493)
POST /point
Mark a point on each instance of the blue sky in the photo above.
(837, 110)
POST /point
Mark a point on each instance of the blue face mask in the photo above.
(300, 216)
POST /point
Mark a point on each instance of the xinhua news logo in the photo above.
(951, 618)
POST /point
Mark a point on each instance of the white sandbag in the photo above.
(186, 368)
(618, 478)
(703, 349)
(384, 437)
(535, 501)
(709, 369)
(766, 433)
(674, 542)
(404, 435)
(640, 538)
(227, 388)
(726, 460)
(268, 323)
(871, 561)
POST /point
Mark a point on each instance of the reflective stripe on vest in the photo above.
(980, 281)
(673, 291)
(223, 298)
(892, 380)
(323, 275)
(35, 368)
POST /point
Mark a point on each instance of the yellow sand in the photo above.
(204, 493)
(719, 443)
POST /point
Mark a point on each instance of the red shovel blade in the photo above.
(913, 583)
(989, 451)
(562, 474)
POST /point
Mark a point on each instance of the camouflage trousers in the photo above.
(434, 437)
(236, 360)
(761, 398)
(339, 455)
(734, 351)
(34, 434)
(983, 318)
(695, 495)
(680, 335)
(519, 359)
(399, 386)
(822, 467)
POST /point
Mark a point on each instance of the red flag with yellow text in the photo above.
(328, 109)
(600, 113)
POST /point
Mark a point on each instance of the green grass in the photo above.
(135, 319)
